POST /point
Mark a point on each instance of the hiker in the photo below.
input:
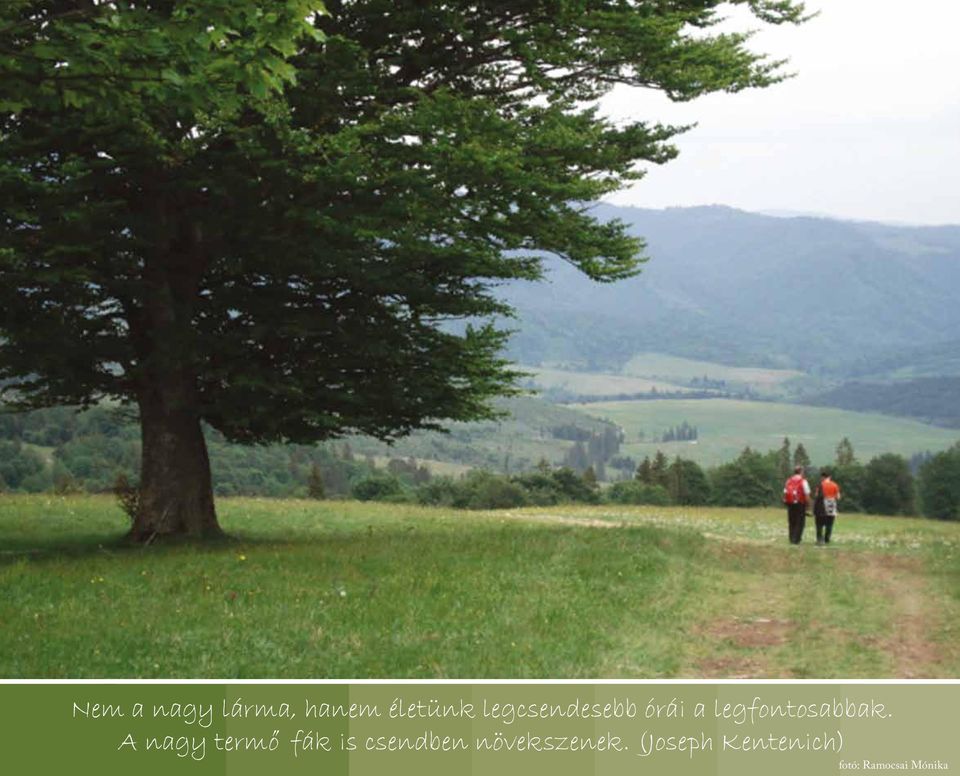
(825, 506)
(796, 493)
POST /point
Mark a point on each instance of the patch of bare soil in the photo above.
(753, 636)
(755, 633)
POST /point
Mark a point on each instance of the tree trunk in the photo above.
(176, 490)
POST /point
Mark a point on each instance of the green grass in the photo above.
(727, 426)
(327, 590)
(348, 590)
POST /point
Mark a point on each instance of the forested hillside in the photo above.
(62, 449)
(740, 288)
(932, 399)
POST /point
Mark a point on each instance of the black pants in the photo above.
(825, 527)
(796, 519)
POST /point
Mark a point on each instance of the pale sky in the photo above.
(868, 129)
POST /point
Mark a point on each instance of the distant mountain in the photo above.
(749, 289)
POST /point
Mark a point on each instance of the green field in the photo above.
(597, 384)
(341, 589)
(726, 426)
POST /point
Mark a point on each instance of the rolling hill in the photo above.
(748, 290)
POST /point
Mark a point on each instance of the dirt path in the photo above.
(761, 584)
(900, 580)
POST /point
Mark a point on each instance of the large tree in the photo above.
(278, 217)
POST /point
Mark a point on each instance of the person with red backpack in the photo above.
(796, 494)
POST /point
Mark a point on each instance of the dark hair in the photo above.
(824, 473)
(798, 470)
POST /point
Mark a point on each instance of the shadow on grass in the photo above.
(41, 550)
(79, 546)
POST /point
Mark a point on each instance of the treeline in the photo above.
(682, 433)
(64, 451)
(566, 396)
(885, 485)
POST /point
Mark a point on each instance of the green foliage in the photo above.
(573, 487)
(127, 495)
(377, 487)
(267, 216)
(687, 483)
(202, 150)
(590, 479)
(851, 478)
(751, 480)
(888, 487)
(637, 492)
(490, 491)
(784, 459)
(481, 489)
(19, 467)
(658, 470)
(98, 444)
(645, 471)
(939, 485)
(96, 459)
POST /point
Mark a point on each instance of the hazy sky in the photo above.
(868, 129)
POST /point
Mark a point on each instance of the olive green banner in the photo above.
(487, 729)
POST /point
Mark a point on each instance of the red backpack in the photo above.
(793, 492)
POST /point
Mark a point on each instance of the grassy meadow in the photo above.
(307, 589)
(726, 426)
(597, 383)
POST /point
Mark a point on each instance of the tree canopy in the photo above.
(288, 219)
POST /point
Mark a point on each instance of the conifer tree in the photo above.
(264, 215)
(845, 455)
(645, 471)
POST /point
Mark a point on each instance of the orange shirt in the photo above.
(830, 489)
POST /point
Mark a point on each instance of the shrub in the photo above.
(485, 490)
(636, 492)
(128, 496)
(442, 492)
(377, 487)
